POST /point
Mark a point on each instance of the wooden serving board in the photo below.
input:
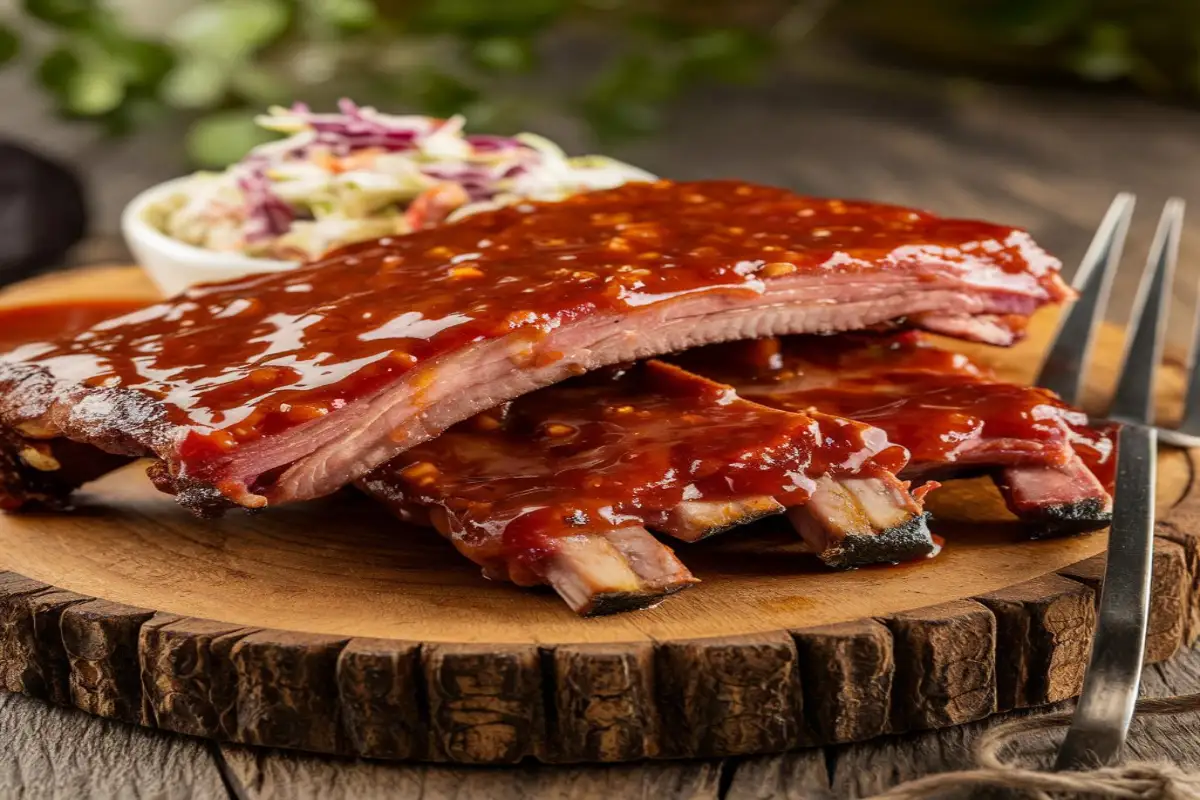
(331, 627)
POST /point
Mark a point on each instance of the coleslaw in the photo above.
(360, 174)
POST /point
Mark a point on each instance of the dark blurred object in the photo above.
(42, 213)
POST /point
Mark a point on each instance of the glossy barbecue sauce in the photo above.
(932, 401)
(238, 361)
(607, 451)
(42, 321)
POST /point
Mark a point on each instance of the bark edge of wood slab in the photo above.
(1019, 646)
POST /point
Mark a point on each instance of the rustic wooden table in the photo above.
(63, 754)
(1047, 159)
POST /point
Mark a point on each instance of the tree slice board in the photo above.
(331, 627)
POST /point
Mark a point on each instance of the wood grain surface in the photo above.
(278, 775)
(53, 753)
(330, 627)
(63, 754)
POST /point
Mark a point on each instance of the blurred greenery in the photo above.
(1152, 45)
(10, 44)
(221, 61)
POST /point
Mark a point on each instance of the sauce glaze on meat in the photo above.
(249, 358)
(288, 386)
(934, 402)
(606, 452)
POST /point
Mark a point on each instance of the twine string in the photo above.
(1131, 781)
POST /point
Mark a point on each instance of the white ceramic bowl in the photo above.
(174, 265)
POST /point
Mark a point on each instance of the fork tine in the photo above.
(1134, 398)
(1064, 367)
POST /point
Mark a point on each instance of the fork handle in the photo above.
(1110, 686)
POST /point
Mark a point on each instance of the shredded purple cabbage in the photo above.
(490, 143)
(351, 130)
(267, 215)
(479, 182)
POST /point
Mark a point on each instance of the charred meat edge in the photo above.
(319, 457)
(43, 472)
(859, 521)
(853, 523)
(1060, 501)
(847, 522)
(1055, 499)
(618, 570)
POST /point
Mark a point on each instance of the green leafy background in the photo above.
(220, 61)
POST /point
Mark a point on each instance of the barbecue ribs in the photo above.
(287, 386)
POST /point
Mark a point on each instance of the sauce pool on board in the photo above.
(38, 322)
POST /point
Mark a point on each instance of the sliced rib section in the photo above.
(287, 386)
(559, 486)
(1052, 468)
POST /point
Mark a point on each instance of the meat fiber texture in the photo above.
(288, 386)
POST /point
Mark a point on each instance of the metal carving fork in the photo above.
(1110, 685)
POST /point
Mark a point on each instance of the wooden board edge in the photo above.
(932, 667)
(286, 691)
(1172, 601)
(33, 659)
(728, 696)
(485, 702)
(846, 676)
(1044, 630)
(382, 693)
(100, 639)
(600, 703)
(1182, 526)
(189, 684)
(945, 658)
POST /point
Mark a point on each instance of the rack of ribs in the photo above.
(560, 486)
(284, 387)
